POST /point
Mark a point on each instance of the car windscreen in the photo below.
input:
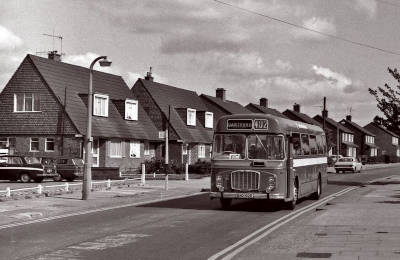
(229, 146)
(265, 147)
(78, 162)
(32, 160)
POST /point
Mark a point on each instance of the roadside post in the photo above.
(186, 172)
(143, 179)
(8, 192)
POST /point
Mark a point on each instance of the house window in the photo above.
(184, 149)
(398, 152)
(34, 144)
(4, 144)
(202, 151)
(395, 140)
(369, 139)
(374, 152)
(26, 102)
(146, 148)
(191, 116)
(134, 150)
(49, 145)
(116, 149)
(100, 105)
(209, 120)
(131, 109)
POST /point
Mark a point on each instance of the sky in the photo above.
(202, 45)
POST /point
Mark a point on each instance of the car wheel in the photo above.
(225, 203)
(58, 177)
(38, 180)
(24, 177)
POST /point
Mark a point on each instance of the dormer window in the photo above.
(100, 105)
(209, 120)
(191, 116)
(131, 109)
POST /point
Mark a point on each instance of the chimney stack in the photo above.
(149, 76)
(53, 55)
(220, 93)
(296, 108)
(264, 102)
(348, 118)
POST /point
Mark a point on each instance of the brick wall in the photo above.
(217, 111)
(49, 120)
(383, 140)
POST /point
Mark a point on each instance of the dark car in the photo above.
(25, 169)
(69, 168)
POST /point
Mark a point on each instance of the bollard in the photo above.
(143, 174)
(108, 184)
(40, 189)
(8, 192)
(166, 182)
(66, 186)
(186, 172)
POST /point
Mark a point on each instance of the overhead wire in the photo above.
(365, 45)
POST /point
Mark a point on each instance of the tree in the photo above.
(388, 99)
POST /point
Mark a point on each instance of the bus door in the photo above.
(289, 167)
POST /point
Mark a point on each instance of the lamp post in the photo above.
(87, 176)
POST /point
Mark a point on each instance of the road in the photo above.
(187, 228)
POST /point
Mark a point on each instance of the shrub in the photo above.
(200, 167)
(159, 167)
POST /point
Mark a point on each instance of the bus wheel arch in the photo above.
(292, 204)
(317, 194)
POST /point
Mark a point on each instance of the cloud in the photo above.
(339, 80)
(368, 6)
(84, 60)
(8, 40)
(319, 24)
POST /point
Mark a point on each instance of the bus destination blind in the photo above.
(247, 124)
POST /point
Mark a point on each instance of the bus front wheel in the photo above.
(317, 194)
(291, 205)
(225, 203)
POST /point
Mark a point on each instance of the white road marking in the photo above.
(269, 228)
(12, 225)
(109, 242)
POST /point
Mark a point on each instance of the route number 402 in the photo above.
(261, 124)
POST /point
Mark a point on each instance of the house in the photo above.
(44, 113)
(386, 141)
(190, 123)
(296, 115)
(263, 108)
(220, 106)
(363, 138)
(340, 136)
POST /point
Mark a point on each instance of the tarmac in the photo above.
(365, 225)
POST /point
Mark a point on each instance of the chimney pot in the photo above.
(296, 107)
(348, 117)
(220, 93)
(264, 102)
(149, 76)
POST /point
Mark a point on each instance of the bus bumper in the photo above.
(234, 195)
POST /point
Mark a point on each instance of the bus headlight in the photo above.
(271, 184)
(219, 182)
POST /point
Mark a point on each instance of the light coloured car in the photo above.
(348, 164)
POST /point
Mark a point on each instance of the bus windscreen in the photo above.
(265, 147)
(229, 146)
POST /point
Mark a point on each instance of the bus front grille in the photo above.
(245, 180)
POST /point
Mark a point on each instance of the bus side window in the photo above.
(313, 144)
(305, 145)
(296, 144)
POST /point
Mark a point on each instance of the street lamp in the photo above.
(87, 176)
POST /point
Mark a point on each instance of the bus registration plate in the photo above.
(245, 195)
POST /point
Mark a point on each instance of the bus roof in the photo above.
(266, 123)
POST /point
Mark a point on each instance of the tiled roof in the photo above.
(334, 124)
(60, 75)
(178, 98)
(230, 107)
(358, 127)
(383, 129)
(266, 110)
(302, 117)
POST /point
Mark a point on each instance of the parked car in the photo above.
(49, 165)
(69, 168)
(332, 159)
(23, 168)
(348, 164)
